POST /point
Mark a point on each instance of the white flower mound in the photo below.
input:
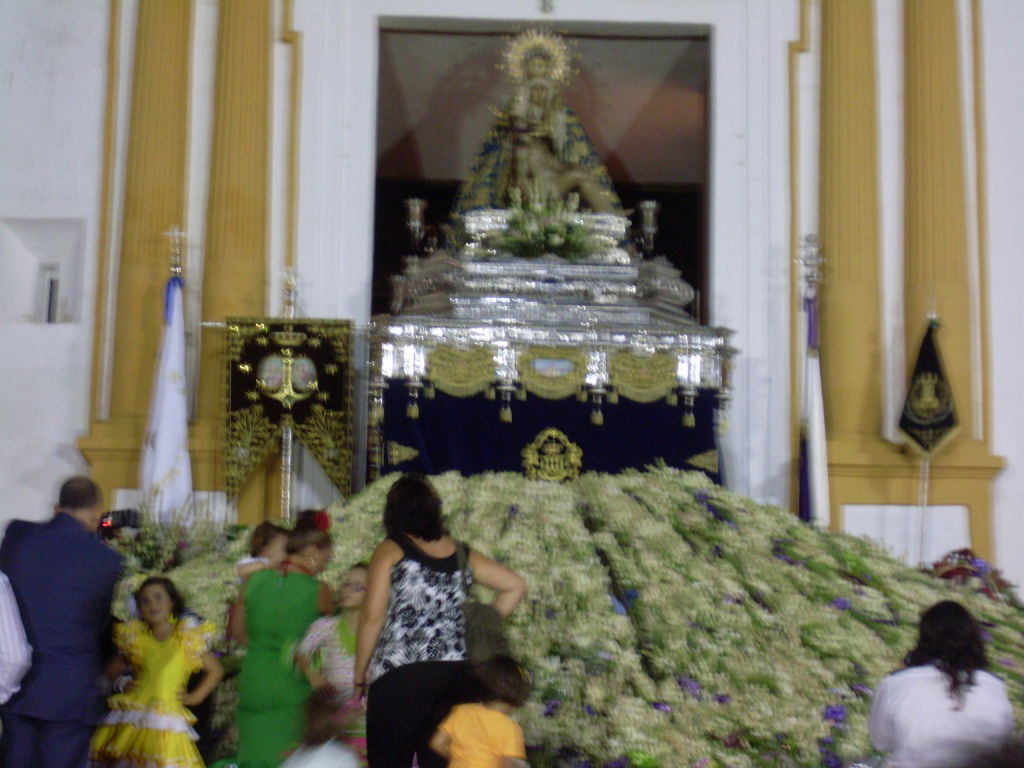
(672, 623)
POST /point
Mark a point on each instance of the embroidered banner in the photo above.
(283, 372)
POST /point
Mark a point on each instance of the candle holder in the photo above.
(414, 208)
(648, 225)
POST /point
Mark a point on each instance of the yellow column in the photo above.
(863, 468)
(936, 267)
(850, 295)
(234, 276)
(154, 201)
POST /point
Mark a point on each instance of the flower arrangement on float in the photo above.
(541, 225)
(671, 622)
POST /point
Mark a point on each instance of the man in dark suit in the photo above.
(63, 578)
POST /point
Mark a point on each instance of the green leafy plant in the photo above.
(541, 225)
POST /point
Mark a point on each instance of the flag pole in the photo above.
(287, 432)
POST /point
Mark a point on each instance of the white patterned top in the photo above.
(424, 620)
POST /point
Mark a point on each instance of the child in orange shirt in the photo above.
(483, 735)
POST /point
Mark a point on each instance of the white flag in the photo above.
(813, 503)
(165, 473)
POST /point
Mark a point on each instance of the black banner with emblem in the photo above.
(283, 372)
(929, 413)
(549, 439)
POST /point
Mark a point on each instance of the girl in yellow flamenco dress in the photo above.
(148, 725)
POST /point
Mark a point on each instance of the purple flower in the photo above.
(618, 762)
(1006, 662)
(981, 566)
(550, 613)
(986, 636)
(835, 713)
(661, 706)
(841, 603)
(723, 698)
(513, 511)
(551, 706)
(587, 709)
(689, 685)
(717, 551)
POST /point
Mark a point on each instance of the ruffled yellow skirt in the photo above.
(134, 745)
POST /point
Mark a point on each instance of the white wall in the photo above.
(1003, 62)
(52, 73)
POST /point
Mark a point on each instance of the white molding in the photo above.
(966, 59)
(889, 94)
(123, 107)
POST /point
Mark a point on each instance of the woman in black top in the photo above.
(411, 644)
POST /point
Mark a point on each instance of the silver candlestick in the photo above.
(414, 208)
(648, 225)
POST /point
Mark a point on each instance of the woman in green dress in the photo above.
(274, 611)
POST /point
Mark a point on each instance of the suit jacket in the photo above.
(63, 578)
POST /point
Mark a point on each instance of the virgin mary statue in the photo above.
(537, 144)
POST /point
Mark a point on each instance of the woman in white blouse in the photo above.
(943, 707)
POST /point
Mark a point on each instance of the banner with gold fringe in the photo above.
(929, 417)
(283, 372)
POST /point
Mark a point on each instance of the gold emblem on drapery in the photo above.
(283, 372)
(552, 456)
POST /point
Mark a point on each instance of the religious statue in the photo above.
(537, 145)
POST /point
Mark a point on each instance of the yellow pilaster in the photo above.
(234, 275)
(864, 469)
(850, 294)
(936, 266)
(154, 201)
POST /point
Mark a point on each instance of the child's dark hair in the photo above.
(322, 720)
(504, 679)
(262, 535)
(301, 537)
(177, 601)
(413, 508)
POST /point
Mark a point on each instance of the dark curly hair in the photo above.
(177, 601)
(502, 678)
(949, 638)
(413, 508)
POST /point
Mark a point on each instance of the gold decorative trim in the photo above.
(399, 454)
(549, 383)
(643, 378)
(461, 372)
(552, 457)
(707, 461)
